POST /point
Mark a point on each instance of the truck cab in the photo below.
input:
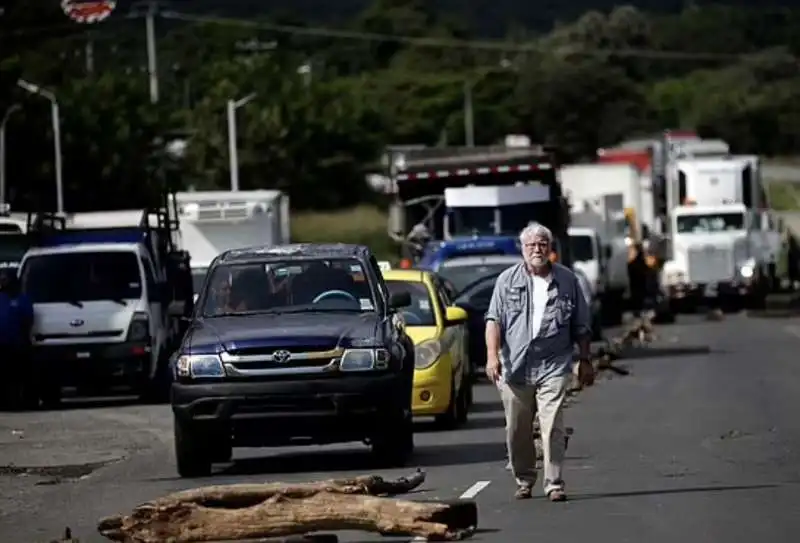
(109, 290)
(716, 254)
(463, 194)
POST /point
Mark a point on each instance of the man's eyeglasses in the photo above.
(537, 244)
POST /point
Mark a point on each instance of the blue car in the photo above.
(295, 344)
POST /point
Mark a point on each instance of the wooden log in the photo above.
(281, 515)
(244, 495)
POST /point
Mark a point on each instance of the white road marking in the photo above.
(793, 330)
(473, 491)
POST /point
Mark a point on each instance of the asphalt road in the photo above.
(699, 444)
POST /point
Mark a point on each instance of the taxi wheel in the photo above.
(452, 417)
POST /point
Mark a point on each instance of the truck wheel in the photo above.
(394, 446)
(191, 451)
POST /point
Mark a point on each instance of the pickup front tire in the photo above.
(393, 445)
(191, 450)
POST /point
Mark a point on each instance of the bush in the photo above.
(363, 225)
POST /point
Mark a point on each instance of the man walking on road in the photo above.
(536, 315)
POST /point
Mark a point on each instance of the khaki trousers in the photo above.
(520, 404)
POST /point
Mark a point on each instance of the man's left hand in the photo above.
(585, 372)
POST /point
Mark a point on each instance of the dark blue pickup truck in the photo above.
(294, 344)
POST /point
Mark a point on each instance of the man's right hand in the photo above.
(493, 368)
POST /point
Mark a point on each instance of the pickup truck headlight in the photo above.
(200, 365)
(139, 329)
(427, 353)
(364, 360)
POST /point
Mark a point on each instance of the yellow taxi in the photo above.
(442, 380)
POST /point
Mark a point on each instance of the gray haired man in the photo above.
(536, 316)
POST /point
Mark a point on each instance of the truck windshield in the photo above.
(420, 312)
(82, 277)
(471, 221)
(712, 222)
(288, 286)
(461, 271)
(582, 248)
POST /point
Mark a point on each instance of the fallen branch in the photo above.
(244, 495)
(252, 511)
(181, 522)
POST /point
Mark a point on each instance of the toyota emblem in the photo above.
(76, 322)
(281, 357)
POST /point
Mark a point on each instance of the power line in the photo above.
(444, 43)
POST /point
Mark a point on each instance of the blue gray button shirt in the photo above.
(529, 358)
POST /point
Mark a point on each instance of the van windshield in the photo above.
(82, 277)
(582, 248)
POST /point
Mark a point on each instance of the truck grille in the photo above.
(710, 264)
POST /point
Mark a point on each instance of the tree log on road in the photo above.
(245, 512)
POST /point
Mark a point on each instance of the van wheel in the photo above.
(191, 452)
(50, 394)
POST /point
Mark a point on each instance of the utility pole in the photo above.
(10, 111)
(469, 116)
(233, 149)
(152, 61)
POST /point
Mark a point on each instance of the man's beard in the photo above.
(537, 261)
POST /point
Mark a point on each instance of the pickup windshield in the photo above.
(461, 271)
(712, 222)
(288, 286)
(82, 277)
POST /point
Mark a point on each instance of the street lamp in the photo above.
(233, 152)
(10, 111)
(56, 118)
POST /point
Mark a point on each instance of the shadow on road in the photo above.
(690, 490)
(359, 460)
(662, 352)
(76, 402)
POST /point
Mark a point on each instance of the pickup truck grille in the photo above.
(710, 264)
(280, 361)
(269, 351)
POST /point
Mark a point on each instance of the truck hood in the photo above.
(722, 240)
(311, 331)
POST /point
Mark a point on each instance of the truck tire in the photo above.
(191, 451)
(393, 446)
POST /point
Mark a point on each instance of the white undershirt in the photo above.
(540, 288)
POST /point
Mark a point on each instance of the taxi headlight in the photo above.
(201, 365)
(364, 360)
(747, 271)
(427, 353)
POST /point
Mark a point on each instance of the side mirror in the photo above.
(455, 315)
(399, 300)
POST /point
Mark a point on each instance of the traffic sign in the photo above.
(88, 12)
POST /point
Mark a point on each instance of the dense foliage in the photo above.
(326, 105)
